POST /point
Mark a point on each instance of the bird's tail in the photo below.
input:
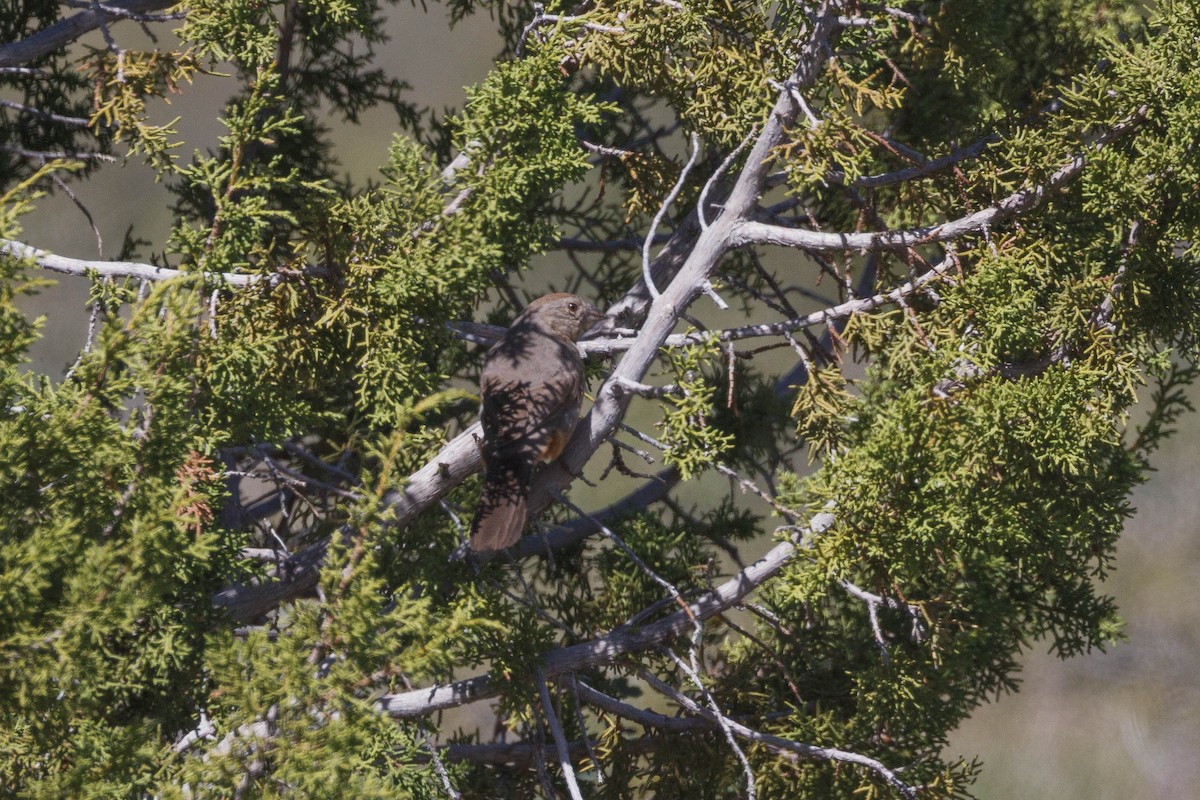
(500, 517)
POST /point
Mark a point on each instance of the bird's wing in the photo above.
(527, 398)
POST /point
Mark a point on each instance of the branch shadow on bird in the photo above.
(531, 423)
(531, 389)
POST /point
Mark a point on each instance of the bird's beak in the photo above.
(592, 323)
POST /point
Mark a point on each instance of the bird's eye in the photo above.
(573, 306)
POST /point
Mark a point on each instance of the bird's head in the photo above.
(565, 315)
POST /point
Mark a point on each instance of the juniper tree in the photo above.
(887, 279)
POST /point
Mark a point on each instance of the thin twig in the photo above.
(662, 210)
(583, 730)
(75, 122)
(119, 269)
(722, 721)
(822, 317)
(628, 551)
(778, 743)
(438, 765)
(712, 179)
(560, 739)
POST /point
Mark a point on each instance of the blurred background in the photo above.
(1118, 724)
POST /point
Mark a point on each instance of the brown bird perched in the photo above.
(531, 390)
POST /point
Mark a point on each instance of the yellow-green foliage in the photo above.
(692, 441)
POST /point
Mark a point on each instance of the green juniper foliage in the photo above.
(227, 533)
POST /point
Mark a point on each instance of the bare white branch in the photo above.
(117, 269)
(716, 176)
(723, 722)
(50, 155)
(778, 743)
(67, 30)
(752, 232)
(49, 116)
(645, 389)
(560, 739)
(541, 18)
(597, 651)
(662, 210)
(618, 642)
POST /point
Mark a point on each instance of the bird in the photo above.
(530, 391)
